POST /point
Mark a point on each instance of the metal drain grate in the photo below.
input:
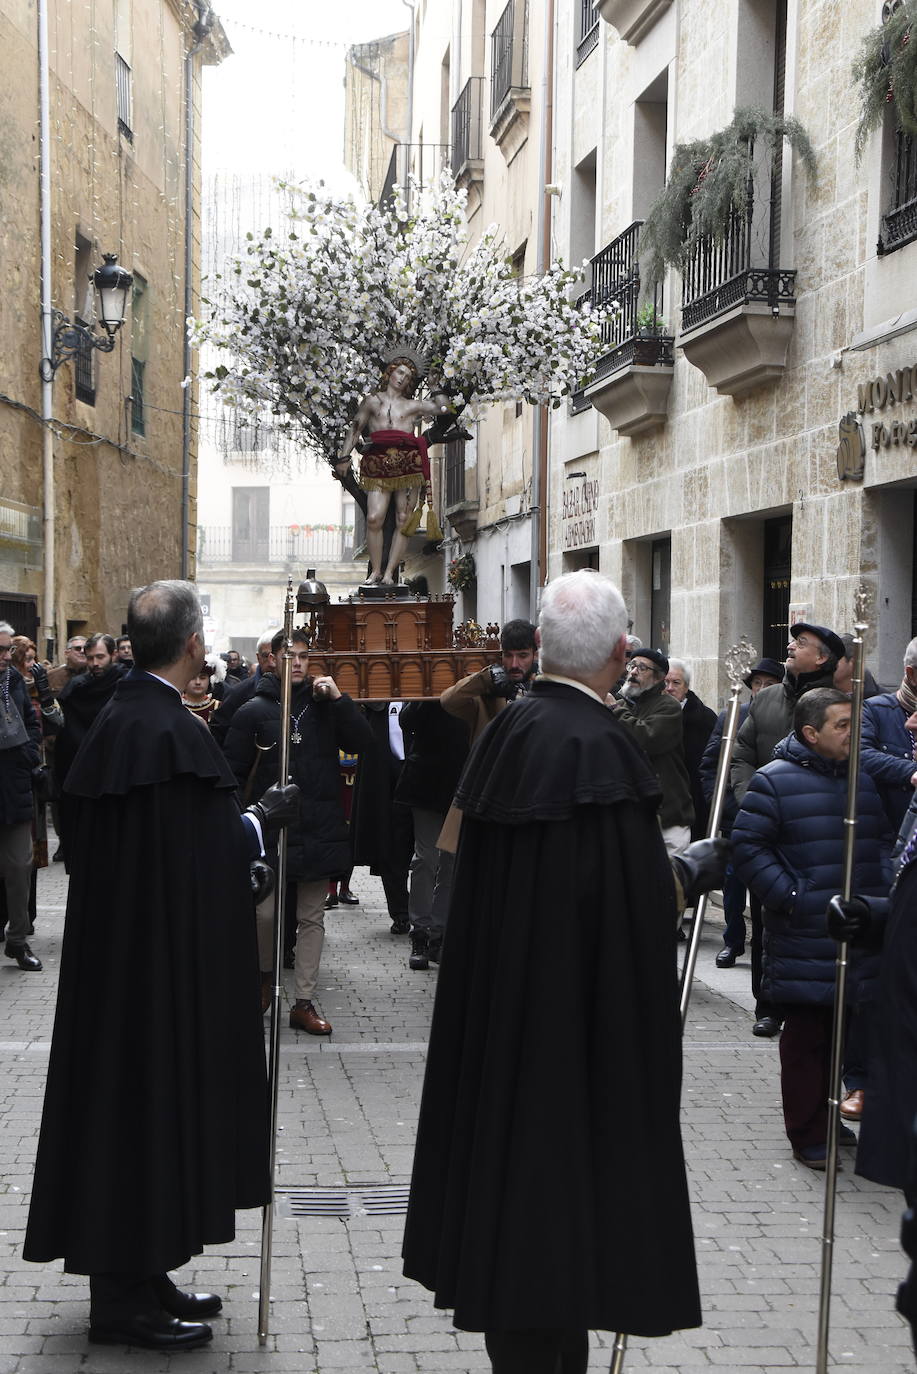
(372, 1200)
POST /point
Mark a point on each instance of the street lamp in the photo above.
(113, 283)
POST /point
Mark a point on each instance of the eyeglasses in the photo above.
(640, 668)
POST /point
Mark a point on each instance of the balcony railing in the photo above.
(616, 279)
(722, 273)
(587, 30)
(455, 473)
(283, 544)
(899, 223)
(509, 53)
(466, 125)
(123, 88)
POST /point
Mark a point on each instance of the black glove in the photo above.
(701, 867)
(40, 678)
(848, 921)
(277, 808)
(262, 880)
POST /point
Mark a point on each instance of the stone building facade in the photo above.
(118, 161)
(763, 459)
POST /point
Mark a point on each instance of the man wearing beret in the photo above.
(812, 655)
(654, 719)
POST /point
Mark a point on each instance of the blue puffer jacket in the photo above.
(788, 846)
(887, 753)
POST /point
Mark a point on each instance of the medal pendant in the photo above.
(296, 737)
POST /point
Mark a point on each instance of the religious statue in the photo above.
(395, 457)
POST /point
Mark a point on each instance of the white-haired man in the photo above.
(563, 912)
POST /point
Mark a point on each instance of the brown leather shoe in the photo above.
(304, 1017)
(267, 991)
(852, 1105)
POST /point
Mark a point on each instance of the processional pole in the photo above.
(738, 662)
(861, 610)
(280, 895)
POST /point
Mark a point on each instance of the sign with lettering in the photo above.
(856, 434)
(578, 513)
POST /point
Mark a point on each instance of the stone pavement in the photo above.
(347, 1112)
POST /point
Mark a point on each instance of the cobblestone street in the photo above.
(347, 1114)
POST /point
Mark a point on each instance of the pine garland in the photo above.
(707, 180)
(886, 73)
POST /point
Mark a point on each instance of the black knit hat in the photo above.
(770, 666)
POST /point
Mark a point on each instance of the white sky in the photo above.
(277, 105)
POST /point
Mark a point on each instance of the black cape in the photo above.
(890, 1105)
(155, 1124)
(549, 1186)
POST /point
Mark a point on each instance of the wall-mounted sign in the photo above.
(893, 389)
(579, 509)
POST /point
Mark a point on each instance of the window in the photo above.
(139, 308)
(661, 594)
(899, 161)
(778, 550)
(83, 313)
(587, 29)
(509, 53)
(123, 87)
(250, 515)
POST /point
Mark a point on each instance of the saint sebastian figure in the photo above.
(395, 458)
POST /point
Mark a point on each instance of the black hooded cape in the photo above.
(155, 1124)
(549, 1186)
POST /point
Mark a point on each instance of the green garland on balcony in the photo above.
(886, 73)
(707, 180)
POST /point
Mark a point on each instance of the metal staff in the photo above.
(280, 893)
(861, 607)
(739, 661)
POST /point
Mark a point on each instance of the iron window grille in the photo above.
(899, 223)
(455, 473)
(466, 125)
(125, 102)
(509, 53)
(84, 368)
(587, 30)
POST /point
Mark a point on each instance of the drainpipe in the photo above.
(539, 524)
(49, 522)
(409, 4)
(200, 32)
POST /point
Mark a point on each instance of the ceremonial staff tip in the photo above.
(862, 608)
(739, 661)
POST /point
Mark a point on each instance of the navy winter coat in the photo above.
(887, 753)
(709, 764)
(788, 846)
(16, 764)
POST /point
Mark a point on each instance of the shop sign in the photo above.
(578, 513)
(892, 389)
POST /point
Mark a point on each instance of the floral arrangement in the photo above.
(707, 180)
(886, 73)
(461, 572)
(301, 322)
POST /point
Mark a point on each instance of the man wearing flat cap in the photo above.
(812, 655)
(654, 719)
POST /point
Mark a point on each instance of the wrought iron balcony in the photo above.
(467, 151)
(899, 223)
(277, 545)
(420, 162)
(509, 53)
(738, 304)
(587, 30)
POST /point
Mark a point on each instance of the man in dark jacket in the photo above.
(788, 846)
(765, 673)
(236, 694)
(81, 701)
(436, 747)
(889, 742)
(812, 655)
(156, 1113)
(20, 741)
(381, 827)
(697, 721)
(654, 720)
(322, 721)
(563, 897)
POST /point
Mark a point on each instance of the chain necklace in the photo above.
(5, 689)
(295, 736)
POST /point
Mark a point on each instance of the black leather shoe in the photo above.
(347, 898)
(727, 956)
(418, 957)
(24, 957)
(152, 1332)
(768, 1026)
(331, 900)
(185, 1305)
(400, 925)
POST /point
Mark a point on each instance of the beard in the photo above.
(631, 689)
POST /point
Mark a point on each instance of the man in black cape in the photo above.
(155, 1125)
(549, 1194)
